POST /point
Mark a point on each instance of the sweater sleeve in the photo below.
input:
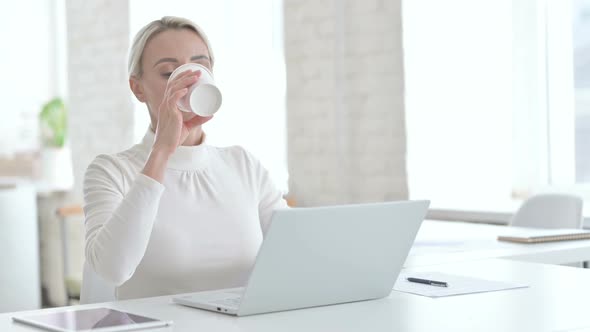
(118, 224)
(270, 197)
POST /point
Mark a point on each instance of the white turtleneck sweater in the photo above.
(199, 230)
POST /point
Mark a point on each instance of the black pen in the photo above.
(429, 282)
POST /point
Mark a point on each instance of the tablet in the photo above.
(90, 320)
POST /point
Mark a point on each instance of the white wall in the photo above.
(100, 108)
(345, 101)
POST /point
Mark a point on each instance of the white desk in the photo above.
(556, 301)
(442, 242)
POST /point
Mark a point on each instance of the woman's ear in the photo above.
(136, 88)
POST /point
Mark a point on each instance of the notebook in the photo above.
(545, 235)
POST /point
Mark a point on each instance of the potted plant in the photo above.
(56, 156)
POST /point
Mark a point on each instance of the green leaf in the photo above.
(54, 125)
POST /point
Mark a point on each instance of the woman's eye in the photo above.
(166, 75)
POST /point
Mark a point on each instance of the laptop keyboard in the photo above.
(231, 302)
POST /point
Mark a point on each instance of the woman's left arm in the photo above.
(269, 197)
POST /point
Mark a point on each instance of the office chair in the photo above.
(550, 211)
(92, 288)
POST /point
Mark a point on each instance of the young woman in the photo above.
(173, 214)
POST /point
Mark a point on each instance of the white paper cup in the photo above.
(203, 98)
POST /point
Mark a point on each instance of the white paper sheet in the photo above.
(457, 285)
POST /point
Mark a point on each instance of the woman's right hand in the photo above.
(170, 127)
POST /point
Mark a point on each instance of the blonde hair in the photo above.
(155, 27)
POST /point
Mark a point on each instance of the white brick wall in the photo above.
(345, 105)
(101, 112)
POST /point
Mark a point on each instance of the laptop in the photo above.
(321, 256)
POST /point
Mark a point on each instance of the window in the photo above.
(458, 81)
(247, 38)
(568, 97)
(36, 51)
(581, 66)
(498, 100)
